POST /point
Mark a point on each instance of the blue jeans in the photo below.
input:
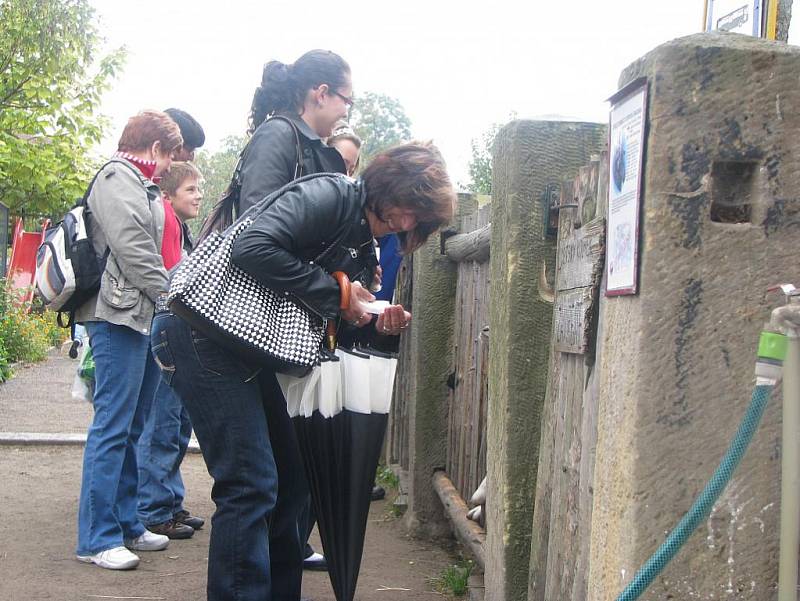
(249, 446)
(126, 378)
(162, 448)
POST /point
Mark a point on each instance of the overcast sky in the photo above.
(456, 67)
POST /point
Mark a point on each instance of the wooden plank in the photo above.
(571, 319)
(564, 522)
(471, 535)
(578, 253)
(466, 455)
(472, 246)
(545, 479)
(579, 266)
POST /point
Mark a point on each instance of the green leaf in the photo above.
(50, 90)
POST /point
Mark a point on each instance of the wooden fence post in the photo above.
(430, 352)
(528, 157)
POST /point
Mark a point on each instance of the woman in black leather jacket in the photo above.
(293, 110)
(309, 96)
(234, 405)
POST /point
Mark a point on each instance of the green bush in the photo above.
(27, 331)
(5, 368)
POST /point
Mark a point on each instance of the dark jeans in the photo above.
(249, 446)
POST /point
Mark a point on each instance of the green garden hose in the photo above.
(772, 350)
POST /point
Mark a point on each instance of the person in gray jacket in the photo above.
(126, 226)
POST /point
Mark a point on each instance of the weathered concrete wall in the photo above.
(677, 367)
(527, 156)
(431, 350)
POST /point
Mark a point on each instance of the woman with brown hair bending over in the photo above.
(237, 407)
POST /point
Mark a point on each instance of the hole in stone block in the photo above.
(732, 191)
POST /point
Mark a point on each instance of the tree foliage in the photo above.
(50, 88)
(380, 121)
(217, 169)
(480, 165)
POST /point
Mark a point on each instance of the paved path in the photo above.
(39, 487)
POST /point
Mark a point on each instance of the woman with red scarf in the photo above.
(126, 225)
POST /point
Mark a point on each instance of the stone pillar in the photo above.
(430, 350)
(720, 223)
(528, 156)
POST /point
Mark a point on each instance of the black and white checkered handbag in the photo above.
(238, 312)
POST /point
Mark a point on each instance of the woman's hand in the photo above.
(355, 313)
(393, 321)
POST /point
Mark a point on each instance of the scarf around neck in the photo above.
(148, 168)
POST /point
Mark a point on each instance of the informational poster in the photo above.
(625, 155)
(737, 16)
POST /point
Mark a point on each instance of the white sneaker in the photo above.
(149, 541)
(118, 558)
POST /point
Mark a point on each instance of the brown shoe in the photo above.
(184, 517)
(172, 529)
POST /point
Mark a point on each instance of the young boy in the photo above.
(167, 430)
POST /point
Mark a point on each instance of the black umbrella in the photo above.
(339, 413)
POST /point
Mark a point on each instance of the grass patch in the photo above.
(454, 579)
(395, 510)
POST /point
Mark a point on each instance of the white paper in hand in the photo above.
(376, 307)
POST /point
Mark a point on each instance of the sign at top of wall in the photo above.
(750, 17)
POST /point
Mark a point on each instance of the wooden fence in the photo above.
(563, 506)
(397, 431)
(468, 402)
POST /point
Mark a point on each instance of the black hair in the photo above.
(284, 87)
(191, 131)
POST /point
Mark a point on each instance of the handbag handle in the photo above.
(344, 302)
(344, 288)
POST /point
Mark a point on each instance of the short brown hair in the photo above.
(412, 176)
(178, 173)
(148, 127)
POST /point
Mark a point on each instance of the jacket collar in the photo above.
(302, 126)
(146, 182)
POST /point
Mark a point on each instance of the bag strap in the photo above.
(236, 178)
(83, 201)
(267, 201)
(222, 214)
(254, 211)
(298, 167)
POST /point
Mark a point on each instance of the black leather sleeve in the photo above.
(269, 162)
(300, 222)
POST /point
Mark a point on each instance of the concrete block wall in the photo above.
(720, 223)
